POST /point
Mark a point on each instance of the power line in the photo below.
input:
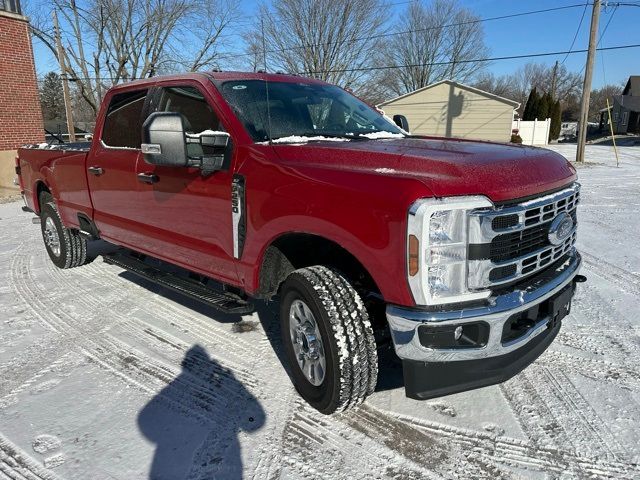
(604, 30)
(577, 32)
(601, 36)
(420, 30)
(391, 67)
(477, 60)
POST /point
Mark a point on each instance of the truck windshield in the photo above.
(303, 110)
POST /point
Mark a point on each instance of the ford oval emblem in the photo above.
(560, 228)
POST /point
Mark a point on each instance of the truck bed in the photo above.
(37, 164)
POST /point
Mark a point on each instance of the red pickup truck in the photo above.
(231, 187)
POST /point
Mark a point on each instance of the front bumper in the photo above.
(431, 372)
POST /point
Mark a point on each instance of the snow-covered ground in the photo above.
(104, 376)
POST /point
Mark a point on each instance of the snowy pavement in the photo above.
(105, 376)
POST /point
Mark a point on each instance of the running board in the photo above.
(224, 301)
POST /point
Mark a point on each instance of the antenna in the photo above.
(266, 78)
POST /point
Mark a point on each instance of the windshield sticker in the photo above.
(239, 87)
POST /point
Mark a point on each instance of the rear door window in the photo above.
(123, 123)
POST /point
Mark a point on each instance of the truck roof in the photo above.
(219, 76)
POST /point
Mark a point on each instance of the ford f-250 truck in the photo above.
(230, 187)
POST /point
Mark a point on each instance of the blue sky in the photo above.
(546, 32)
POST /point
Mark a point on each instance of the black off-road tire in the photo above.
(72, 246)
(347, 337)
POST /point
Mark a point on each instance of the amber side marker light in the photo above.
(414, 248)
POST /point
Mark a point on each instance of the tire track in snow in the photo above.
(147, 332)
(625, 280)
(144, 373)
(537, 421)
(587, 431)
(524, 453)
(204, 328)
(592, 368)
(213, 331)
(118, 358)
(426, 450)
(38, 356)
(550, 408)
(17, 465)
(597, 341)
(313, 438)
(132, 330)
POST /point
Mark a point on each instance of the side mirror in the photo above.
(401, 121)
(206, 150)
(164, 140)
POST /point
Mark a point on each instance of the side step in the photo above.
(223, 301)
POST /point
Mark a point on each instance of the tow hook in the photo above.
(579, 279)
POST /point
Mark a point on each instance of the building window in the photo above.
(615, 117)
(625, 117)
(11, 6)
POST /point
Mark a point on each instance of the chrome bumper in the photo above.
(404, 322)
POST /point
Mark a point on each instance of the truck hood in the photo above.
(447, 167)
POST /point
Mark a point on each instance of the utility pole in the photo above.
(586, 87)
(65, 82)
(554, 81)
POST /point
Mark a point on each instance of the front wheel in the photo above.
(328, 339)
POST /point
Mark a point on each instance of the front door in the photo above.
(188, 213)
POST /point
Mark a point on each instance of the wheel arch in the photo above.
(293, 250)
(38, 189)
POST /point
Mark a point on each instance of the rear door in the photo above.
(111, 169)
(188, 213)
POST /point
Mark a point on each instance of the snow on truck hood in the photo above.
(447, 167)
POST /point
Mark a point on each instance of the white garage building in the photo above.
(451, 109)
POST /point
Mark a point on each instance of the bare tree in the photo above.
(433, 42)
(106, 42)
(324, 39)
(518, 85)
(503, 85)
(541, 76)
(202, 34)
(598, 99)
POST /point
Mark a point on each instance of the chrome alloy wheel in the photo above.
(51, 237)
(307, 342)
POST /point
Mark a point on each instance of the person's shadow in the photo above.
(195, 420)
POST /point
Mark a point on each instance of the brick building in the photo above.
(20, 113)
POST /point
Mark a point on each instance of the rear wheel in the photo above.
(328, 339)
(66, 247)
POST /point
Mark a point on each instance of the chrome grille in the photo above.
(512, 242)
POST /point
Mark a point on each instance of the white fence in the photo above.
(534, 132)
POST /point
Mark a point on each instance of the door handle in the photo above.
(147, 177)
(96, 170)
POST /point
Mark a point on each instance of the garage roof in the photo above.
(462, 86)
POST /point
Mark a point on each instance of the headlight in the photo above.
(437, 245)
